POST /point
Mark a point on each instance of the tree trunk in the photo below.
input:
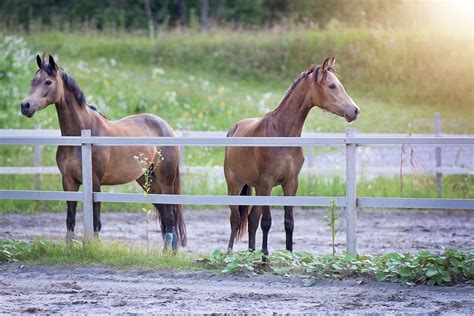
(183, 16)
(151, 21)
(205, 15)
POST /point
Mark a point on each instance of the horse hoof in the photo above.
(168, 242)
(69, 237)
(174, 243)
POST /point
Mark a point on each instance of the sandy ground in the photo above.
(69, 289)
(43, 289)
(377, 231)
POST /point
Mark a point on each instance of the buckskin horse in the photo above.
(112, 165)
(263, 168)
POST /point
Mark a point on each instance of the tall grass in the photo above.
(42, 251)
(416, 65)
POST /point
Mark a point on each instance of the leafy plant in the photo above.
(451, 267)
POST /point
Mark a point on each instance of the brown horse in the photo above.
(263, 168)
(111, 165)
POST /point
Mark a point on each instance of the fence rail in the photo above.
(350, 201)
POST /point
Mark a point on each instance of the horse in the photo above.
(263, 168)
(112, 165)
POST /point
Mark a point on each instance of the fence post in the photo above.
(182, 151)
(86, 150)
(351, 193)
(439, 176)
(37, 161)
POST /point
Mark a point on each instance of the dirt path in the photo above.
(378, 231)
(43, 289)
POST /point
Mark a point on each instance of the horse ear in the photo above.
(333, 61)
(325, 64)
(39, 61)
(52, 63)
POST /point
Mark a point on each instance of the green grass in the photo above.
(450, 267)
(42, 251)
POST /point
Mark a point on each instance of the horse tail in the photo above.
(180, 224)
(244, 213)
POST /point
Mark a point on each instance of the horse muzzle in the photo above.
(27, 110)
(352, 116)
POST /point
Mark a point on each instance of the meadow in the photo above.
(196, 81)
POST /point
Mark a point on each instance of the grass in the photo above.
(42, 251)
(451, 267)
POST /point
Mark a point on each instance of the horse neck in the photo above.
(73, 117)
(291, 114)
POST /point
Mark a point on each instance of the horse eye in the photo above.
(332, 86)
(48, 82)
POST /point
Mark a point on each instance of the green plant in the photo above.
(245, 262)
(330, 221)
(450, 267)
(43, 251)
(148, 167)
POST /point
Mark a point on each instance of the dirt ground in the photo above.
(378, 231)
(41, 289)
(71, 289)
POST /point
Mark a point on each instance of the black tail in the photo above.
(178, 214)
(182, 235)
(244, 213)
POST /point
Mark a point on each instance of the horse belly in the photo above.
(125, 164)
(241, 162)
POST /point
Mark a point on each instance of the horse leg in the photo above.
(254, 219)
(69, 184)
(289, 189)
(266, 222)
(96, 211)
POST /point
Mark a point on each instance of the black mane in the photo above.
(71, 84)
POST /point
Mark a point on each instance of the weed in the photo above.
(330, 221)
(451, 267)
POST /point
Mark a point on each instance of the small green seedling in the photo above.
(330, 221)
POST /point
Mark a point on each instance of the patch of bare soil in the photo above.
(378, 231)
(44, 289)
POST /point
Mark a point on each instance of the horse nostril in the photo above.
(26, 105)
(357, 111)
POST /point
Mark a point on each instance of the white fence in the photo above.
(310, 160)
(350, 201)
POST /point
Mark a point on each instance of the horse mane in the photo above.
(300, 78)
(71, 84)
(304, 75)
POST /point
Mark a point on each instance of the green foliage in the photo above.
(42, 251)
(131, 15)
(246, 262)
(451, 267)
(14, 58)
